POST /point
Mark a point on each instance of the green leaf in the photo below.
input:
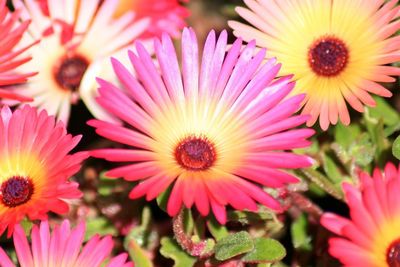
(362, 150)
(300, 237)
(396, 147)
(345, 135)
(200, 226)
(217, 230)
(248, 217)
(322, 181)
(170, 249)
(106, 185)
(142, 234)
(139, 238)
(99, 226)
(331, 169)
(383, 110)
(137, 254)
(233, 245)
(162, 199)
(265, 250)
(188, 222)
(26, 225)
(378, 138)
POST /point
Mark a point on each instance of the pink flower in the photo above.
(11, 32)
(77, 38)
(35, 166)
(337, 59)
(216, 136)
(166, 15)
(371, 236)
(62, 247)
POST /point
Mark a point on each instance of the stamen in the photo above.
(16, 191)
(195, 153)
(68, 74)
(393, 254)
(328, 56)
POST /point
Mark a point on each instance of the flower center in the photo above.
(15, 191)
(195, 153)
(69, 72)
(393, 254)
(328, 56)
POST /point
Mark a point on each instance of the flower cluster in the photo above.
(223, 124)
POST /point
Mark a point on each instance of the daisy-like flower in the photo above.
(76, 38)
(166, 15)
(336, 57)
(11, 32)
(216, 135)
(371, 237)
(35, 166)
(62, 247)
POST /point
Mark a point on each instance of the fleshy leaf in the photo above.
(139, 238)
(331, 169)
(345, 135)
(143, 234)
(99, 226)
(170, 249)
(137, 254)
(233, 245)
(188, 221)
(300, 237)
(396, 147)
(265, 250)
(218, 231)
(26, 225)
(106, 185)
(162, 199)
(321, 181)
(362, 151)
(383, 110)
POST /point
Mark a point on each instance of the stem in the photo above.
(306, 205)
(198, 249)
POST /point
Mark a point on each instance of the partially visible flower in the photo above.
(216, 133)
(77, 37)
(371, 237)
(166, 15)
(35, 166)
(62, 247)
(335, 56)
(11, 32)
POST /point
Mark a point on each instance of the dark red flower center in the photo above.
(70, 71)
(195, 153)
(328, 56)
(393, 254)
(15, 191)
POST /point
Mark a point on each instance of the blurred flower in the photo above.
(371, 236)
(334, 55)
(35, 166)
(166, 15)
(62, 247)
(77, 37)
(11, 32)
(216, 135)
